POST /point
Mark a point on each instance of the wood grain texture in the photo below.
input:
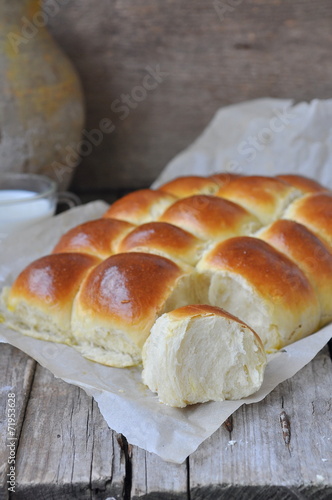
(153, 478)
(16, 376)
(66, 449)
(255, 453)
(212, 58)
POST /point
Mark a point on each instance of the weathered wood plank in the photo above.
(63, 465)
(16, 375)
(154, 479)
(255, 452)
(66, 449)
(214, 53)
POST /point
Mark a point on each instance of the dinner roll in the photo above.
(98, 237)
(202, 353)
(309, 253)
(41, 297)
(223, 178)
(164, 239)
(119, 302)
(182, 187)
(254, 281)
(302, 183)
(140, 206)
(210, 218)
(265, 197)
(315, 212)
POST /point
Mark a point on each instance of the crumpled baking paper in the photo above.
(263, 137)
(266, 136)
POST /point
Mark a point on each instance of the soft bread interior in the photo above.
(34, 322)
(106, 345)
(202, 358)
(276, 325)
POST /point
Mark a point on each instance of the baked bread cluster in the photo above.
(166, 261)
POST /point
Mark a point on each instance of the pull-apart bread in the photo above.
(257, 247)
(263, 287)
(265, 197)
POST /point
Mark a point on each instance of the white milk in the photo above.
(15, 216)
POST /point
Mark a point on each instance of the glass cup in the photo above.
(28, 198)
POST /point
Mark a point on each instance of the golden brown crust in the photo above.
(129, 289)
(309, 253)
(53, 280)
(262, 196)
(223, 178)
(98, 237)
(209, 217)
(300, 244)
(304, 184)
(162, 237)
(315, 212)
(271, 273)
(182, 187)
(140, 206)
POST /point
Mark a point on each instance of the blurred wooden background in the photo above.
(209, 53)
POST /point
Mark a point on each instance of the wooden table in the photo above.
(65, 450)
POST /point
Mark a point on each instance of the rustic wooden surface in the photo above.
(65, 449)
(214, 53)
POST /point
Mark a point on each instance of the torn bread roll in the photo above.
(309, 253)
(254, 281)
(120, 300)
(202, 353)
(265, 197)
(42, 296)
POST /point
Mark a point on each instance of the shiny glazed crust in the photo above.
(140, 206)
(99, 237)
(271, 273)
(310, 255)
(304, 184)
(210, 218)
(52, 280)
(182, 187)
(164, 238)
(128, 290)
(315, 212)
(265, 197)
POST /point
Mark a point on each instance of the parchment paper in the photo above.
(303, 145)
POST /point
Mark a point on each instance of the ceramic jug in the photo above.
(41, 101)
